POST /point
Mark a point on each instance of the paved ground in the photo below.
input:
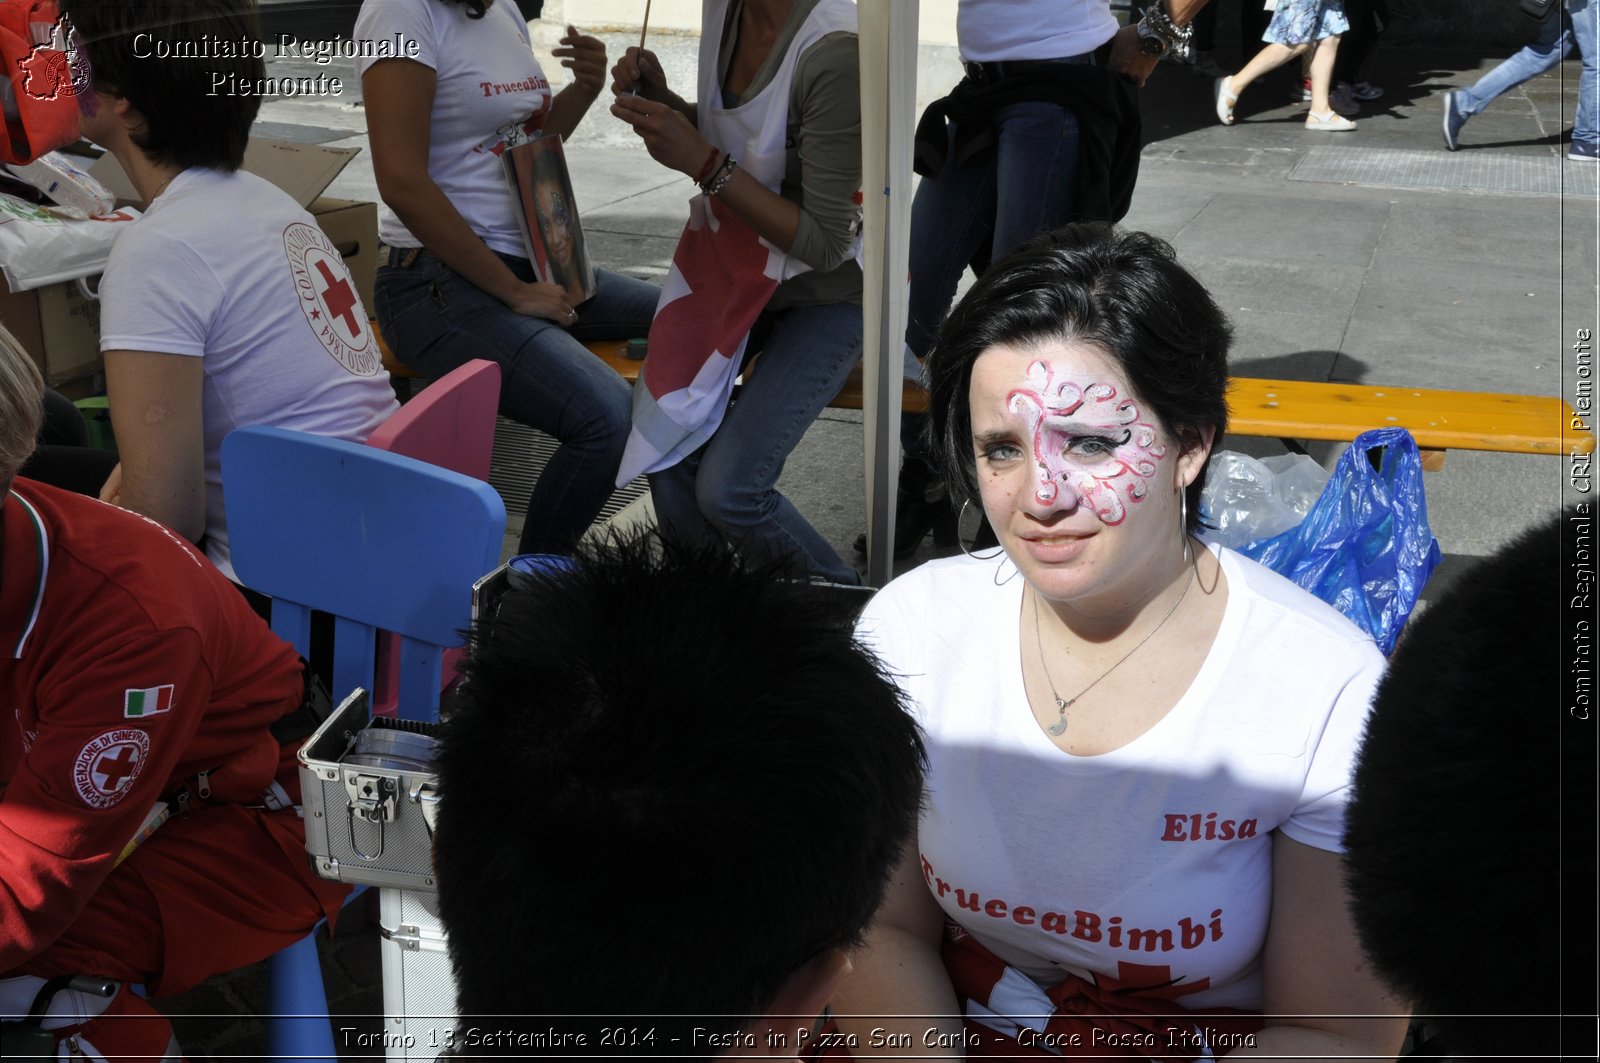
(1370, 256)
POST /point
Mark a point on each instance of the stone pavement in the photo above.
(1370, 256)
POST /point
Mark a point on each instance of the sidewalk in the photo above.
(1371, 256)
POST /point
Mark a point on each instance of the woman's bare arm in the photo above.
(897, 981)
(157, 417)
(1320, 997)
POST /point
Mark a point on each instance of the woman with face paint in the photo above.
(1139, 746)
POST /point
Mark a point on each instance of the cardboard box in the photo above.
(60, 325)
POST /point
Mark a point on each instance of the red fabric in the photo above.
(1109, 1017)
(723, 265)
(129, 1029)
(96, 602)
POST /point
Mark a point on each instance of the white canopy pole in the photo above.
(888, 36)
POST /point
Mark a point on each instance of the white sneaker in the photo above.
(1328, 122)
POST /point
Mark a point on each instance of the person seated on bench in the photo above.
(454, 278)
(1471, 832)
(136, 682)
(224, 305)
(671, 786)
(1138, 750)
(775, 142)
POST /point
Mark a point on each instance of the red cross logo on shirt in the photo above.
(111, 770)
(328, 299)
(105, 768)
(339, 299)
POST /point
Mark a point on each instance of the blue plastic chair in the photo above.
(382, 542)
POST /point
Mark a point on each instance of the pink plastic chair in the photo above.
(449, 424)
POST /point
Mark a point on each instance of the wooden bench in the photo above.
(1291, 410)
(1439, 420)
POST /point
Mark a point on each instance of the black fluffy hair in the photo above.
(1455, 833)
(189, 121)
(668, 782)
(1125, 292)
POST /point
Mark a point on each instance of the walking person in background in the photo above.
(1296, 25)
(1368, 19)
(1575, 22)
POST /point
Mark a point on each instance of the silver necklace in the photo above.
(1063, 704)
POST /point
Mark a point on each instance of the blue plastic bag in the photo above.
(1365, 547)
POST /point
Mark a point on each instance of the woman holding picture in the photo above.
(454, 280)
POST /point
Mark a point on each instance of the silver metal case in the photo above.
(369, 796)
(419, 991)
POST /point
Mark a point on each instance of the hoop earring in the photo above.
(1000, 551)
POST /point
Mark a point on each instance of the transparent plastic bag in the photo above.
(1247, 499)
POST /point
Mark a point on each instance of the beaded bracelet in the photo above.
(718, 181)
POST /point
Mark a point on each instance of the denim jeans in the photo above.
(435, 320)
(727, 490)
(1574, 24)
(1024, 186)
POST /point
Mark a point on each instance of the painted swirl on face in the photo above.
(1086, 439)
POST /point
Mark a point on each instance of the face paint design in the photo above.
(1086, 439)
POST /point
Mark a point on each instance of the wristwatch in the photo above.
(1158, 35)
(1151, 42)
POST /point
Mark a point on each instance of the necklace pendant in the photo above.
(1060, 726)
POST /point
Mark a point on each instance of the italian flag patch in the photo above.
(147, 702)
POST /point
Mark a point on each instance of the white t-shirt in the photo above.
(1157, 854)
(990, 30)
(490, 88)
(227, 268)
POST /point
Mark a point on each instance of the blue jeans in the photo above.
(978, 212)
(434, 320)
(727, 490)
(1024, 186)
(1574, 24)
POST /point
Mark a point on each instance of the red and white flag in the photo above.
(722, 276)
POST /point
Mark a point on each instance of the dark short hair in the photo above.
(668, 782)
(1470, 831)
(185, 124)
(1124, 292)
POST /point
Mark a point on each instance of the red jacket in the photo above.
(128, 666)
